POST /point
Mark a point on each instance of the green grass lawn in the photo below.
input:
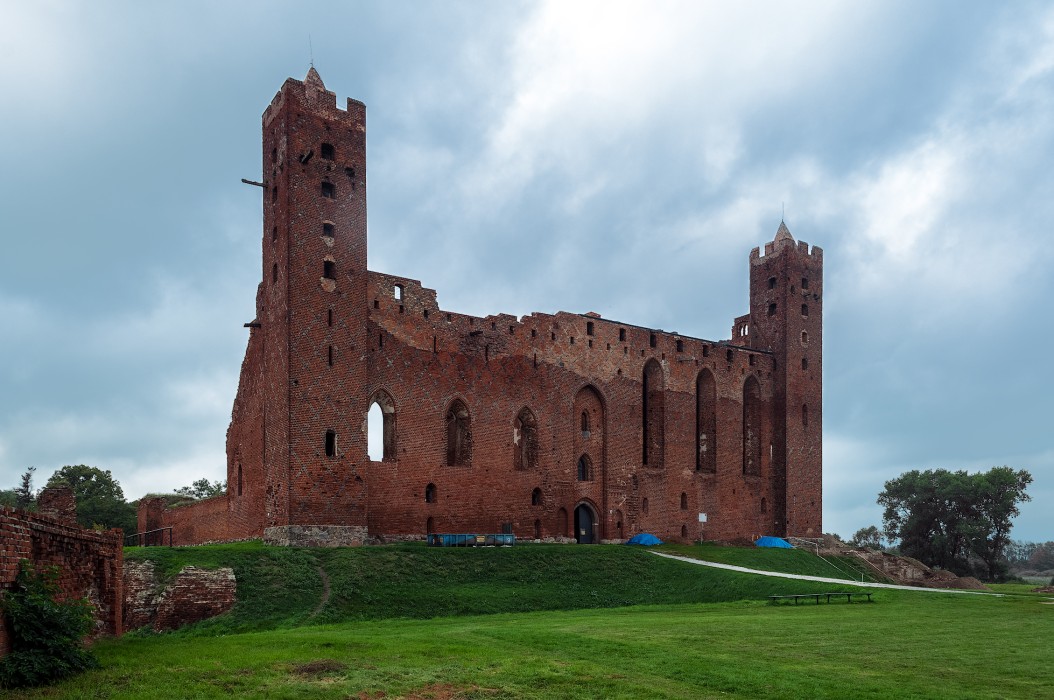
(565, 622)
(905, 645)
(790, 561)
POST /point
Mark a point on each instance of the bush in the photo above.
(45, 635)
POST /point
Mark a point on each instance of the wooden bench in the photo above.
(816, 596)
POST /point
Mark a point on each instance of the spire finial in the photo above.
(310, 51)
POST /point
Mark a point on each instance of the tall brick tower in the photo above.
(786, 317)
(312, 315)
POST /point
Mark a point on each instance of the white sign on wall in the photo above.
(702, 517)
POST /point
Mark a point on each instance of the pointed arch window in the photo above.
(585, 468)
(431, 495)
(380, 427)
(706, 422)
(458, 435)
(525, 439)
(653, 400)
(751, 427)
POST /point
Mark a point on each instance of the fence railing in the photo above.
(142, 539)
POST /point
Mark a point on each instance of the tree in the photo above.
(25, 497)
(870, 537)
(203, 488)
(1042, 557)
(944, 518)
(100, 500)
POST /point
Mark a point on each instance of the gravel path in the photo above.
(820, 579)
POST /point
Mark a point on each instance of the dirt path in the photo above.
(325, 592)
(820, 579)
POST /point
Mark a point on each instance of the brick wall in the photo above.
(89, 562)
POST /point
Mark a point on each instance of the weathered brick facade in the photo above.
(89, 562)
(563, 425)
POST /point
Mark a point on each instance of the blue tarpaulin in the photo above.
(773, 542)
(644, 539)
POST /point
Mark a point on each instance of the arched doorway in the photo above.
(585, 520)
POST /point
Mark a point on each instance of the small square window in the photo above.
(328, 151)
(328, 191)
(804, 282)
(772, 282)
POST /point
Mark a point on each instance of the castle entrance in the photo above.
(585, 523)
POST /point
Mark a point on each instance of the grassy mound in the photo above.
(282, 587)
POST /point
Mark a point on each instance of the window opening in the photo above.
(751, 426)
(329, 270)
(728, 355)
(274, 234)
(274, 272)
(589, 328)
(772, 309)
(684, 501)
(525, 440)
(397, 292)
(622, 334)
(327, 230)
(804, 309)
(328, 151)
(380, 428)
(653, 404)
(585, 424)
(430, 526)
(804, 282)
(772, 282)
(585, 468)
(680, 345)
(652, 340)
(804, 337)
(684, 531)
(331, 443)
(458, 435)
(329, 318)
(706, 422)
(536, 497)
(330, 355)
(430, 493)
(327, 190)
(804, 363)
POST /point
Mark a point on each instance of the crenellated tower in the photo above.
(312, 314)
(786, 318)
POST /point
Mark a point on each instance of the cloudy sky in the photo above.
(613, 157)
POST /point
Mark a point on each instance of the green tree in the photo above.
(203, 488)
(25, 496)
(870, 537)
(944, 518)
(100, 500)
(996, 494)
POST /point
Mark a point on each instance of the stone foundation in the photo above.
(316, 535)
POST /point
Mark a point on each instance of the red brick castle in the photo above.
(547, 426)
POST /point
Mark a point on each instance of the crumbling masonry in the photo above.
(548, 426)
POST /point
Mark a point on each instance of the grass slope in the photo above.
(281, 587)
(906, 645)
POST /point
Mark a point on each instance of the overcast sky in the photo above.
(613, 157)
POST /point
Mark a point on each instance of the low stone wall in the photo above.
(194, 594)
(89, 562)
